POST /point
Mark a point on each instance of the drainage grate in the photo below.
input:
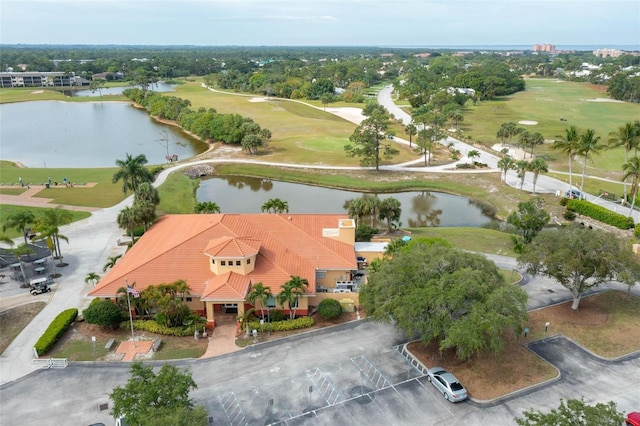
(550, 291)
(103, 407)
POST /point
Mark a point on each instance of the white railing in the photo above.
(49, 363)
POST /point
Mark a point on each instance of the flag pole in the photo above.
(133, 339)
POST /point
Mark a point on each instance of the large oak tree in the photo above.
(436, 293)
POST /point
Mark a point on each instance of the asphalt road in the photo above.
(356, 376)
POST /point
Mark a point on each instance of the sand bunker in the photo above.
(605, 100)
(259, 100)
(528, 122)
(37, 92)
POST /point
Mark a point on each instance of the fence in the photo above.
(49, 363)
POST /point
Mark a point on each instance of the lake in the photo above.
(94, 134)
(106, 91)
(234, 194)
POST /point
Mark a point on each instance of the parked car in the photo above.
(633, 419)
(574, 193)
(447, 384)
(39, 289)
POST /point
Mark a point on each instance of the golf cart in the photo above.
(39, 288)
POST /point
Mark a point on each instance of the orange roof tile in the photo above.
(175, 246)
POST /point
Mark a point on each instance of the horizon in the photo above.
(336, 23)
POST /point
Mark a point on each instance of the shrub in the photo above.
(104, 312)
(636, 231)
(600, 213)
(277, 315)
(56, 329)
(153, 327)
(569, 215)
(286, 325)
(563, 201)
(329, 309)
(365, 232)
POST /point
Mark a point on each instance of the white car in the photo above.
(447, 384)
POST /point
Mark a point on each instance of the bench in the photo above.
(110, 344)
(156, 345)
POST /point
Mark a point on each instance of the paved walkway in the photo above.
(131, 349)
(223, 339)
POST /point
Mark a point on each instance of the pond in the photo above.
(93, 134)
(234, 194)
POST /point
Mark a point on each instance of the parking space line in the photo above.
(371, 372)
(232, 409)
(326, 388)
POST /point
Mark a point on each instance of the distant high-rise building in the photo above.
(550, 48)
(603, 53)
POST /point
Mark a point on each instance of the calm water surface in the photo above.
(247, 195)
(157, 87)
(94, 134)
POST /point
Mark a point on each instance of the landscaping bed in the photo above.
(606, 324)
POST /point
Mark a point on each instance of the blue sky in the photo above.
(321, 22)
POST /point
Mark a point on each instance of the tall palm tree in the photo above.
(389, 211)
(19, 221)
(589, 145)
(632, 170)
(521, 167)
(49, 228)
(275, 205)
(536, 166)
(291, 290)
(535, 139)
(627, 136)
(259, 293)
(370, 206)
(505, 164)
(473, 154)
(569, 143)
(524, 138)
(207, 207)
(410, 130)
(128, 220)
(132, 172)
(111, 262)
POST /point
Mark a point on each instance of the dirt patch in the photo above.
(605, 100)
(14, 320)
(605, 324)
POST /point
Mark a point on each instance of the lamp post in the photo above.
(268, 320)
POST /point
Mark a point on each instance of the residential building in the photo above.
(40, 79)
(220, 257)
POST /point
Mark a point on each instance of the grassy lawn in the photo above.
(177, 194)
(76, 345)
(605, 324)
(301, 134)
(42, 94)
(13, 321)
(9, 209)
(545, 101)
(473, 239)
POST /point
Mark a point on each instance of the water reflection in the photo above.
(237, 194)
(110, 91)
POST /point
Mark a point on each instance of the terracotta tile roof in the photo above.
(174, 248)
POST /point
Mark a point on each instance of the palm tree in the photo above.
(425, 144)
(370, 206)
(523, 139)
(410, 130)
(521, 167)
(111, 262)
(535, 139)
(537, 165)
(589, 145)
(502, 133)
(474, 153)
(19, 221)
(275, 205)
(505, 164)
(128, 220)
(244, 319)
(456, 117)
(132, 172)
(92, 277)
(49, 228)
(22, 250)
(207, 207)
(291, 290)
(569, 144)
(260, 293)
(389, 211)
(632, 170)
(627, 136)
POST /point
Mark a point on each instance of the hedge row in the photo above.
(56, 329)
(600, 213)
(286, 325)
(153, 327)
